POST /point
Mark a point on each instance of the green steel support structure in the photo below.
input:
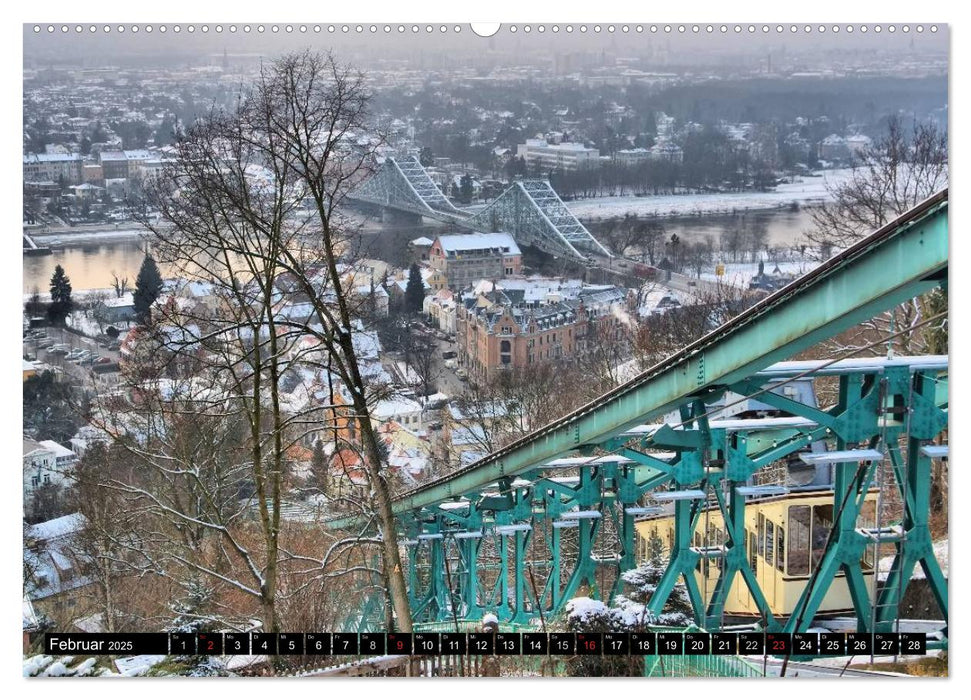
(548, 518)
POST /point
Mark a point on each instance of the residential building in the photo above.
(630, 157)
(93, 173)
(440, 307)
(45, 462)
(403, 411)
(114, 165)
(507, 329)
(54, 569)
(833, 147)
(465, 258)
(499, 336)
(118, 309)
(667, 152)
(53, 167)
(543, 155)
(420, 248)
(858, 143)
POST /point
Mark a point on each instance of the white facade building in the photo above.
(562, 156)
(45, 462)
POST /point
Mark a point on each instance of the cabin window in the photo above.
(822, 524)
(867, 519)
(780, 557)
(761, 535)
(719, 541)
(769, 542)
(799, 520)
(752, 551)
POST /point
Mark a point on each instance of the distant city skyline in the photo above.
(90, 49)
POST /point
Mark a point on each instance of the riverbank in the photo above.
(69, 237)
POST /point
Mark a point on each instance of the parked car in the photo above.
(462, 373)
(452, 363)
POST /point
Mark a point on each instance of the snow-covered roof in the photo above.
(58, 527)
(389, 408)
(468, 435)
(479, 241)
(51, 157)
(422, 241)
(58, 449)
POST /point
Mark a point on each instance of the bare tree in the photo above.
(651, 240)
(419, 351)
(235, 202)
(120, 284)
(622, 234)
(98, 309)
(893, 175)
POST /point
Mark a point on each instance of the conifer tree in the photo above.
(415, 291)
(61, 302)
(148, 287)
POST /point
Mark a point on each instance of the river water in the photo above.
(92, 263)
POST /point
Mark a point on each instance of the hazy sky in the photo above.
(116, 48)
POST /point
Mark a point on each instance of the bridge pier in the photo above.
(396, 216)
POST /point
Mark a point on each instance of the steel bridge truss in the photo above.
(535, 215)
(529, 210)
(523, 546)
(403, 184)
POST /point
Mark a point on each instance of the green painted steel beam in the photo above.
(903, 259)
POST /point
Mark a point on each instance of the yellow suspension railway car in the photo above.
(785, 538)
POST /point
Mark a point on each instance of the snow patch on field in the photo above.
(941, 553)
(806, 190)
(740, 274)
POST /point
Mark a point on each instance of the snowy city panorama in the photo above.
(549, 353)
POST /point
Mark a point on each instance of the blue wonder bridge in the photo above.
(530, 210)
(554, 515)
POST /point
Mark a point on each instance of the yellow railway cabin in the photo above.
(785, 537)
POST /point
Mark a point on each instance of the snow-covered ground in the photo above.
(941, 553)
(804, 190)
(740, 274)
(82, 322)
